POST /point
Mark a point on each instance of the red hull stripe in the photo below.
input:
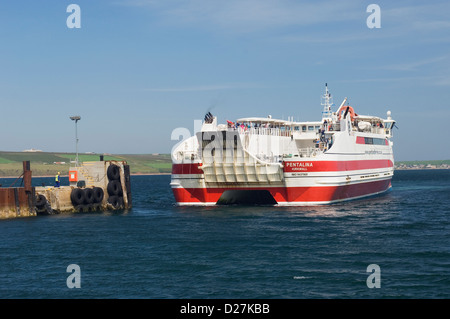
(290, 194)
(335, 166)
(186, 169)
(312, 166)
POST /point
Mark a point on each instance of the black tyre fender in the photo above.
(81, 208)
(88, 195)
(113, 172)
(77, 196)
(98, 194)
(121, 202)
(40, 201)
(114, 201)
(114, 188)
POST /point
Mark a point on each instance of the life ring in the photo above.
(348, 109)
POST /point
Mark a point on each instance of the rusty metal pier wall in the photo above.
(18, 201)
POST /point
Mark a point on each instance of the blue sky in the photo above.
(138, 69)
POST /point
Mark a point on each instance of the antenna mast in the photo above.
(327, 101)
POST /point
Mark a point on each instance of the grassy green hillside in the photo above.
(48, 164)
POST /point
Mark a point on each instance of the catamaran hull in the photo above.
(286, 196)
(296, 189)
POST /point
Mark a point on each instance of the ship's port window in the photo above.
(304, 128)
(296, 128)
(310, 128)
(317, 127)
(375, 141)
(246, 197)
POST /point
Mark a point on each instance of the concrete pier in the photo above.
(94, 186)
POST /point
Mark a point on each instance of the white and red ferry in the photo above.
(277, 162)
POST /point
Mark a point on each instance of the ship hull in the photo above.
(286, 196)
(303, 183)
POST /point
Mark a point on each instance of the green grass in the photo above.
(148, 163)
(32, 157)
(88, 157)
(5, 161)
(42, 163)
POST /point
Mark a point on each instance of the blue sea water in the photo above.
(159, 250)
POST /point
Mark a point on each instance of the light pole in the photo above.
(76, 119)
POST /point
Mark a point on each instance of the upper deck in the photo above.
(269, 139)
(278, 127)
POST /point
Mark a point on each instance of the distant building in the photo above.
(32, 150)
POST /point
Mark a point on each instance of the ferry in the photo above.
(267, 161)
